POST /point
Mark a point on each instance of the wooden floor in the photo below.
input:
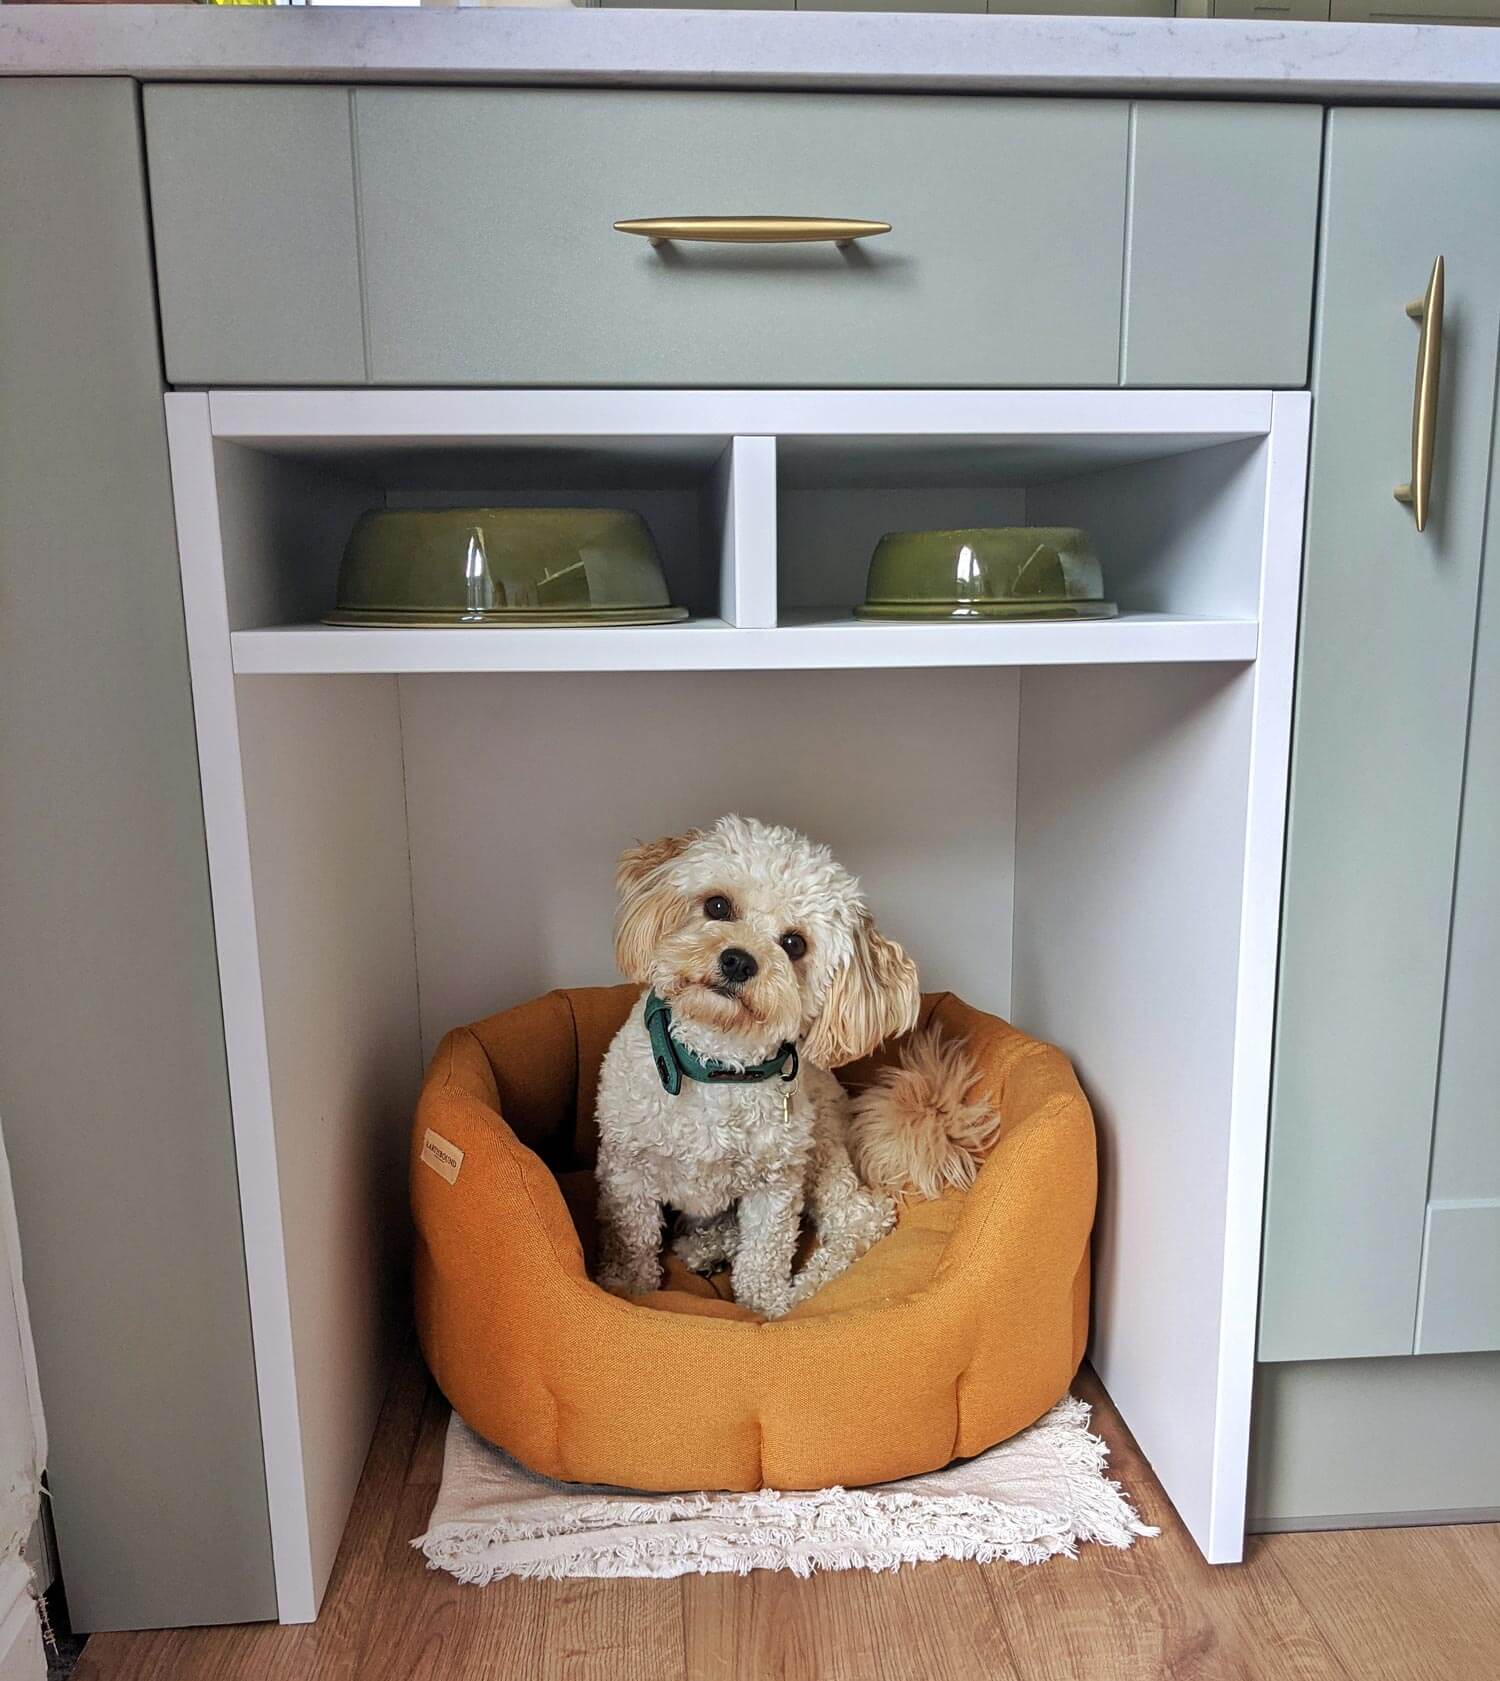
(1364, 1605)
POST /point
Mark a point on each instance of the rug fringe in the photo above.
(803, 1532)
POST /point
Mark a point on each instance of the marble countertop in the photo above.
(1377, 62)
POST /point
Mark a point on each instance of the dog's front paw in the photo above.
(770, 1297)
(771, 1305)
(875, 1219)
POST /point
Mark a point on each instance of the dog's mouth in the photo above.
(730, 992)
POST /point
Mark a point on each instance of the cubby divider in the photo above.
(745, 502)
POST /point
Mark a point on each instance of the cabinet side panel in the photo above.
(112, 1074)
(325, 805)
(1129, 867)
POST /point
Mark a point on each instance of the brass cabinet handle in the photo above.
(752, 230)
(1427, 309)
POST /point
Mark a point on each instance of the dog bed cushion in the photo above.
(963, 1326)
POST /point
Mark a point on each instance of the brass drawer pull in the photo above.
(752, 230)
(1427, 309)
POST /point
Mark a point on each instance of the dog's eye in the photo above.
(717, 908)
(794, 946)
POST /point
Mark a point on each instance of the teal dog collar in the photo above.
(674, 1060)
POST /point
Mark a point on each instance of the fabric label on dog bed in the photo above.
(441, 1156)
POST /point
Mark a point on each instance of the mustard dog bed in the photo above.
(960, 1328)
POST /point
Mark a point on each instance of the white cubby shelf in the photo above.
(1075, 825)
(807, 639)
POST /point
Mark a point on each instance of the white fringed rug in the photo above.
(1039, 1494)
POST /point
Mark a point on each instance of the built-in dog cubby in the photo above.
(1074, 825)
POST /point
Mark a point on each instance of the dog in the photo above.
(763, 970)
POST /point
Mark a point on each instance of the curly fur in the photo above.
(739, 1163)
(919, 1129)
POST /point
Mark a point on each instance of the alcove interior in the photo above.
(1061, 843)
(1062, 846)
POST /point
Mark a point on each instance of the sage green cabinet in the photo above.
(1386, 769)
(113, 1085)
(1222, 238)
(257, 255)
(465, 236)
(492, 258)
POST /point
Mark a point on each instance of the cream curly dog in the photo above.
(763, 970)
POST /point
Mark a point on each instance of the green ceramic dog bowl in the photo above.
(987, 572)
(502, 566)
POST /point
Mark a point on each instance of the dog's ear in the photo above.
(646, 905)
(646, 857)
(872, 997)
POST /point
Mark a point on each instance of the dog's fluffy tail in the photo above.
(922, 1127)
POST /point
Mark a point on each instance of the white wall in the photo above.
(23, 1452)
(522, 791)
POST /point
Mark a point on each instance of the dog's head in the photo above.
(756, 934)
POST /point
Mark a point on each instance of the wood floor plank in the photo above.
(932, 1621)
(357, 1583)
(426, 1467)
(1155, 1612)
(1401, 1604)
(1159, 1613)
(430, 1627)
(327, 1650)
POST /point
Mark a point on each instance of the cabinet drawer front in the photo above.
(257, 257)
(491, 256)
(1223, 231)
(1383, 689)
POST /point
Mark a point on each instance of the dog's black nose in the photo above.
(736, 965)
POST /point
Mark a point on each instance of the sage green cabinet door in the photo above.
(1222, 235)
(1387, 643)
(491, 255)
(257, 255)
(1459, 1311)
